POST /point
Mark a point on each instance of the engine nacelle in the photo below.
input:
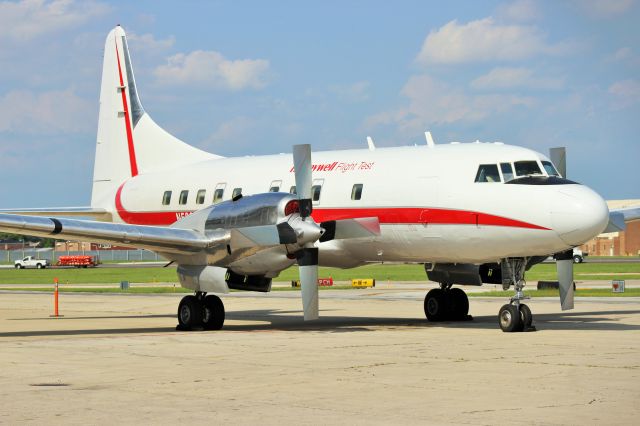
(211, 279)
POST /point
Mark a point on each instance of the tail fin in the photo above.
(129, 142)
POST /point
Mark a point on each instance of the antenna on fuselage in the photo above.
(370, 143)
(430, 142)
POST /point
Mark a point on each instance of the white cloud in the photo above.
(356, 92)
(517, 77)
(211, 69)
(147, 43)
(484, 40)
(46, 113)
(604, 8)
(435, 102)
(625, 92)
(27, 19)
(520, 11)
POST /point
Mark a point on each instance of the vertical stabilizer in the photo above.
(129, 142)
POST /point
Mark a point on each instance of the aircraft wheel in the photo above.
(212, 313)
(435, 305)
(459, 304)
(509, 318)
(189, 313)
(526, 316)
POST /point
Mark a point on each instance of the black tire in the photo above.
(577, 259)
(509, 318)
(18, 266)
(212, 313)
(435, 305)
(189, 313)
(526, 316)
(39, 265)
(458, 304)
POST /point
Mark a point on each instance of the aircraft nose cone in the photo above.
(578, 214)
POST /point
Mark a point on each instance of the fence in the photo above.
(9, 256)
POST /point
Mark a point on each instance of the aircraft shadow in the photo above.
(274, 320)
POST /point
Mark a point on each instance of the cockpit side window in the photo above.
(488, 173)
(548, 166)
(507, 171)
(527, 168)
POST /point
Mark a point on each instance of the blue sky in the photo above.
(536, 74)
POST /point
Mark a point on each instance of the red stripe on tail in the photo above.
(127, 121)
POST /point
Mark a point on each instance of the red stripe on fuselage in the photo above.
(386, 215)
(132, 151)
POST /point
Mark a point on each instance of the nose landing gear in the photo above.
(200, 311)
(515, 315)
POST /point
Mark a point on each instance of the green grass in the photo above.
(382, 273)
(594, 292)
(580, 292)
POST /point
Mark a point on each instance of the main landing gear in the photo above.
(447, 304)
(200, 311)
(515, 315)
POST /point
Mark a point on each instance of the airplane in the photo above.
(472, 213)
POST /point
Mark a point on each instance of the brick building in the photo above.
(624, 243)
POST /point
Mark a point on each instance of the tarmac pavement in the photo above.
(371, 359)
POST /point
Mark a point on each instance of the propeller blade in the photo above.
(350, 228)
(302, 169)
(308, 268)
(558, 157)
(564, 266)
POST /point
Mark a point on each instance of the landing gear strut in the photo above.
(200, 311)
(515, 315)
(446, 304)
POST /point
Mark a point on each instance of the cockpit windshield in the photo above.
(527, 168)
(548, 167)
(488, 173)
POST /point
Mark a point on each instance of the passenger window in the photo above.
(184, 195)
(551, 171)
(275, 186)
(166, 198)
(525, 168)
(236, 192)
(200, 196)
(488, 173)
(217, 195)
(507, 171)
(356, 191)
(292, 190)
(315, 192)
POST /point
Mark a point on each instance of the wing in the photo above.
(86, 212)
(158, 238)
(618, 217)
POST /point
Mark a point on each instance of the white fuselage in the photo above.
(429, 206)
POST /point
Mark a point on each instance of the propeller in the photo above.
(307, 256)
(564, 260)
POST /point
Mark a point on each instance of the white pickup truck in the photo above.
(31, 262)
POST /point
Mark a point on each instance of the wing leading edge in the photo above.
(158, 238)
